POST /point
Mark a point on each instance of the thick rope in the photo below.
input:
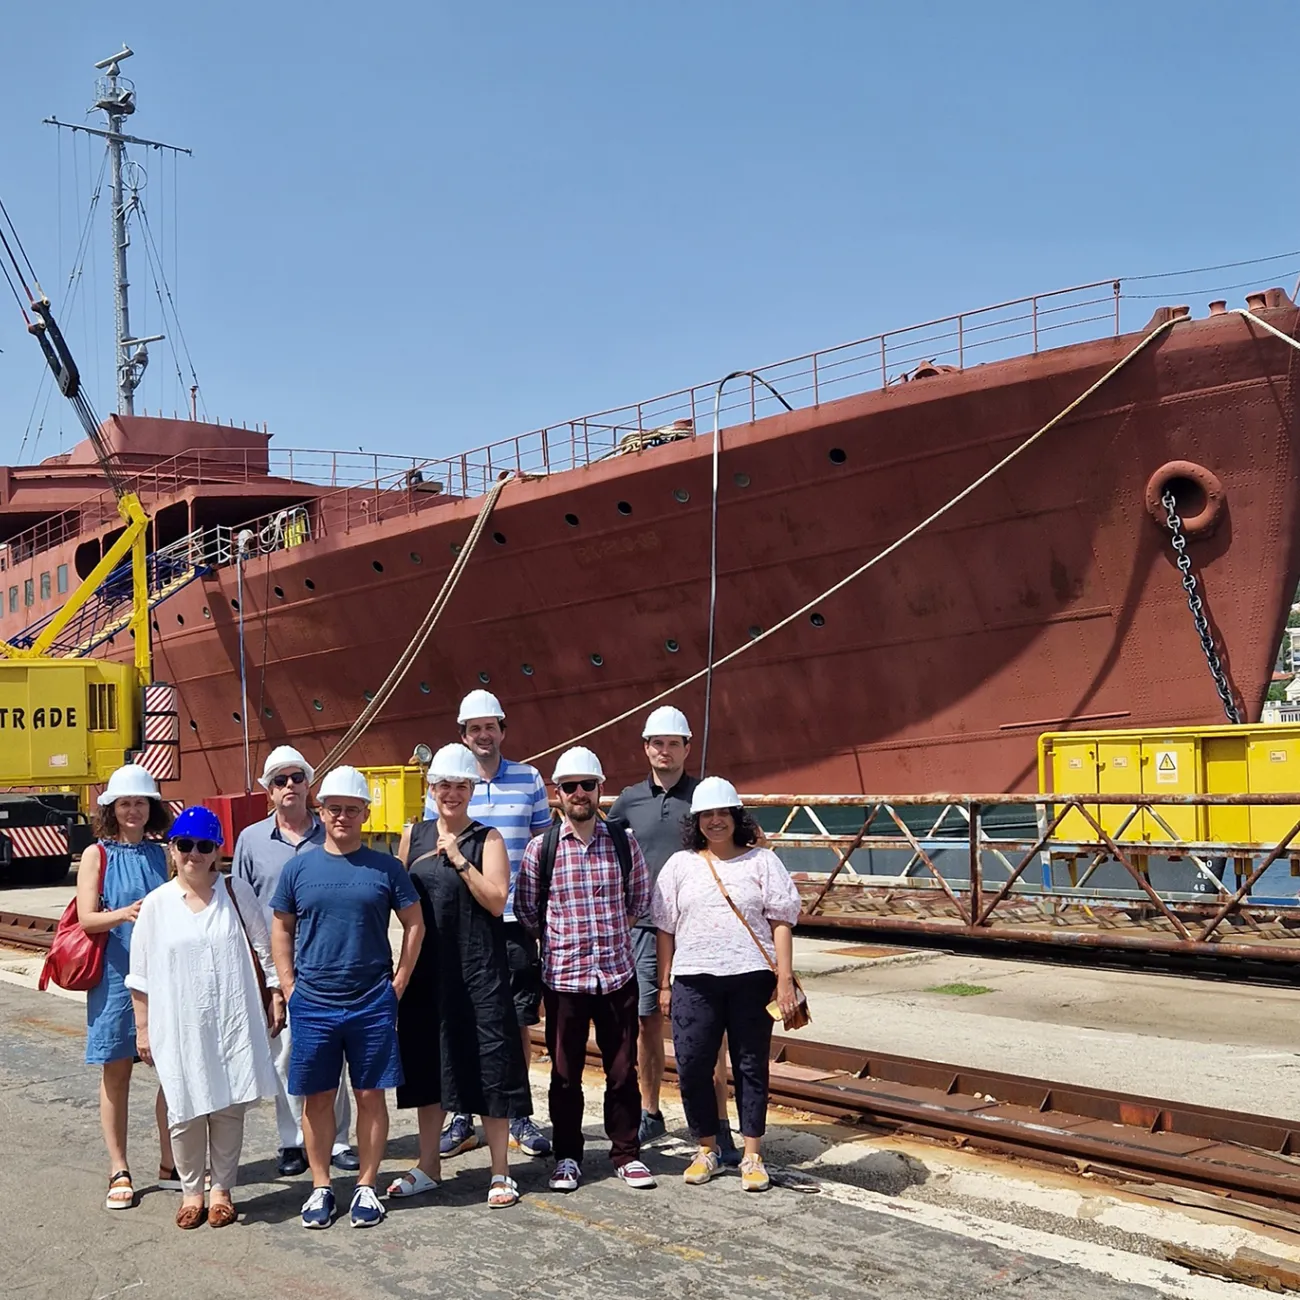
(418, 641)
(1263, 324)
(961, 496)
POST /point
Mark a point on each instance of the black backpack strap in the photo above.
(545, 870)
(618, 829)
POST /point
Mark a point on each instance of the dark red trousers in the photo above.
(569, 1018)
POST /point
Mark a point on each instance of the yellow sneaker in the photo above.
(753, 1176)
(703, 1167)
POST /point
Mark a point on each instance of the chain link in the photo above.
(1197, 606)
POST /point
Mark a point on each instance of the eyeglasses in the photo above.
(340, 810)
(572, 787)
(183, 844)
(285, 778)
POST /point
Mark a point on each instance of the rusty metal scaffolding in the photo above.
(1090, 870)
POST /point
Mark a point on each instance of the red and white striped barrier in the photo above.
(37, 841)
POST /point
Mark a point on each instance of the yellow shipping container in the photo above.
(1257, 758)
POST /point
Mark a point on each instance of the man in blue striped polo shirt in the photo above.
(511, 798)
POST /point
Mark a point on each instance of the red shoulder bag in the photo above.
(76, 959)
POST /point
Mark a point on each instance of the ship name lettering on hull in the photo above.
(37, 719)
(614, 547)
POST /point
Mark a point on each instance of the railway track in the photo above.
(18, 930)
(1245, 1159)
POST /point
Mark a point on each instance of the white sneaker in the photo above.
(635, 1174)
(567, 1176)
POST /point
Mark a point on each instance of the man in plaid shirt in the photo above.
(588, 973)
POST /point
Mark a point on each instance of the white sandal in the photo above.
(121, 1192)
(503, 1192)
(414, 1182)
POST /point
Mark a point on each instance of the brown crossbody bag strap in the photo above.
(262, 990)
(801, 1016)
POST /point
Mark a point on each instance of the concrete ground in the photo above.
(604, 1240)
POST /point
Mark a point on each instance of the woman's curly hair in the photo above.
(159, 823)
(744, 833)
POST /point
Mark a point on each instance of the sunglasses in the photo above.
(338, 810)
(572, 787)
(183, 844)
(286, 778)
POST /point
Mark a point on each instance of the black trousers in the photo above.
(704, 1008)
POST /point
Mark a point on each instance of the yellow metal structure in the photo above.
(396, 798)
(1257, 758)
(65, 721)
(133, 542)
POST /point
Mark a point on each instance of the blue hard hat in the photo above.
(197, 823)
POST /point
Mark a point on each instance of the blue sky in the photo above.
(419, 227)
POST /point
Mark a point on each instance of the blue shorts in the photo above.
(645, 952)
(323, 1035)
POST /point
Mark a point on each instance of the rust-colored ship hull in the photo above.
(1047, 598)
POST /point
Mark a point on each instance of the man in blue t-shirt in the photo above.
(330, 942)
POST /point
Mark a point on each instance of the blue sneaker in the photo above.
(525, 1136)
(366, 1208)
(318, 1210)
(459, 1136)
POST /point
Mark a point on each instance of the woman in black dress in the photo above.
(456, 1026)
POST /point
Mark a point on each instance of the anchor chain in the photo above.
(1197, 606)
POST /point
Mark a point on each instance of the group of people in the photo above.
(266, 983)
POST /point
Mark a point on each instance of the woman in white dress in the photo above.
(200, 958)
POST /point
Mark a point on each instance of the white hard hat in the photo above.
(479, 704)
(453, 763)
(280, 758)
(344, 783)
(577, 761)
(666, 721)
(713, 792)
(131, 781)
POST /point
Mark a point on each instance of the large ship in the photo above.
(287, 584)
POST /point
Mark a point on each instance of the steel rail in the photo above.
(20, 930)
(1254, 1158)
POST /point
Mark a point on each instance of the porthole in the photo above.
(180, 620)
(370, 695)
(624, 508)
(156, 628)
(597, 659)
(415, 557)
(279, 592)
(571, 520)
(194, 726)
(309, 584)
(207, 613)
(484, 678)
(236, 717)
(234, 604)
(671, 646)
(681, 495)
(755, 632)
(267, 713)
(741, 480)
(817, 620)
(526, 669)
(424, 688)
(838, 455)
(378, 568)
(455, 548)
(499, 538)
(317, 705)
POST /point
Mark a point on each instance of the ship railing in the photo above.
(1166, 872)
(365, 487)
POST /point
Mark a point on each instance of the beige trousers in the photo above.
(209, 1142)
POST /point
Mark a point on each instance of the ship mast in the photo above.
(115, 98)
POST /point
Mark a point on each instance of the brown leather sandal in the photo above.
(221, 1213)
(190, 1216)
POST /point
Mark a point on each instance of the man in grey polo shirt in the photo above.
(655, 809)
(261, 853)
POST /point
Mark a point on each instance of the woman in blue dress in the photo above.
(129, 809)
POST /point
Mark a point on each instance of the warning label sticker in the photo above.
(1166, 766)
